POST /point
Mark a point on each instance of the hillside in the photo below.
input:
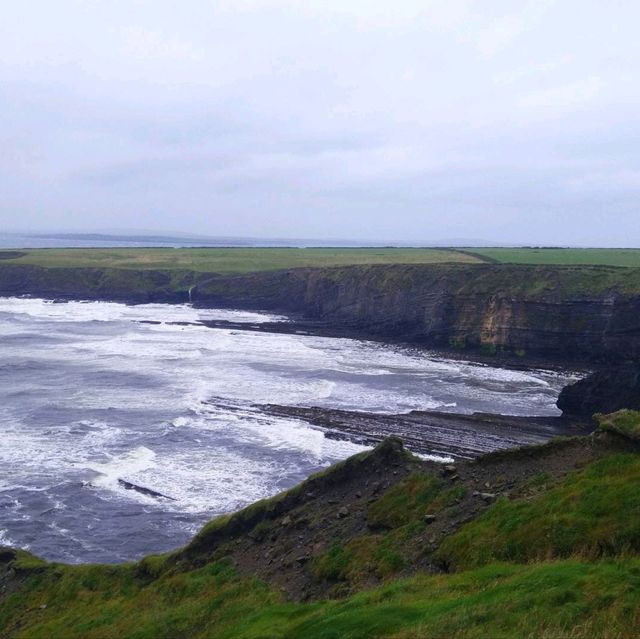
(537, 541)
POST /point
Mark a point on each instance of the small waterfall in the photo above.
(190, 294)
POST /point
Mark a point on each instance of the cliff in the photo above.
(561, 313)
(605, 391)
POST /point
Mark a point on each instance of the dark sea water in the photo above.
(90, 394)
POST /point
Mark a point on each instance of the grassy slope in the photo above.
(594, 513)
(572, 597)
(573, 570)
(570, 256)
(234, 260)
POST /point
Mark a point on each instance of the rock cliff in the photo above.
(559, 313)
(605, 391)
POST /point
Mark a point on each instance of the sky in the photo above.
(508, 121)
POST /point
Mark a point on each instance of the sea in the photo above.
(98, 396)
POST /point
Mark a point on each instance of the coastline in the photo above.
(436, 433)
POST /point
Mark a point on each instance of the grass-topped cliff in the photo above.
(556, 312)
(534, 542)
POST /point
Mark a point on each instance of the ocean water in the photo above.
(94, 393)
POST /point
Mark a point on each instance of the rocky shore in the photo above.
(437, 433)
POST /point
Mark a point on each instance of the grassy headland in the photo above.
(248, 260)
(231, 260)
(551, 552)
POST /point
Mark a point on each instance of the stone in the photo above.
(604, 391)
(488, 497)
(449, 469)
(286, 521)
(7, 555)
(343, 512)
(429, 518)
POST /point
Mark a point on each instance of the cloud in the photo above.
(353, 118)
(561, 99)
(499, 34)
(148, 44)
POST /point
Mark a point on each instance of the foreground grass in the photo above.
(595, 512)
(568, 256)
(234, 260)
(555, 599)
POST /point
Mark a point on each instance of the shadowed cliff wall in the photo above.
(569, 313)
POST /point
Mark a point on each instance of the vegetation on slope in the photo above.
(624, 422)
(569, 598)
(595, 512)
(557, 556)
(232, 260)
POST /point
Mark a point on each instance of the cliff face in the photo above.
(584, 313)
(563, 313)
(604, 391)
(94, 284)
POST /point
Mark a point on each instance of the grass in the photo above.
(563, 563)
(595, 512)
(551, 599)
(244, 260)
(407, 502)
(234, 260)
(560, 256)
(623, 422)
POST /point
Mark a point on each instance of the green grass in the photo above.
(561, 256)
(573, 571)
(595, 512)
(623, 422)
(234, 260)
(407, 502)
(552, 599)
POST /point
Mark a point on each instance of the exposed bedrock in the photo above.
(605, 391)
(562, 313)
(559, 313)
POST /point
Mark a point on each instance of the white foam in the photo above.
(189, 390)
(77, 311)
(127, 467)
(5, 540)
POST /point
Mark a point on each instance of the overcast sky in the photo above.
(509, 121)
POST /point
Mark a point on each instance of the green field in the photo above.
(246, 260)
(232, 260)
(562, 256)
